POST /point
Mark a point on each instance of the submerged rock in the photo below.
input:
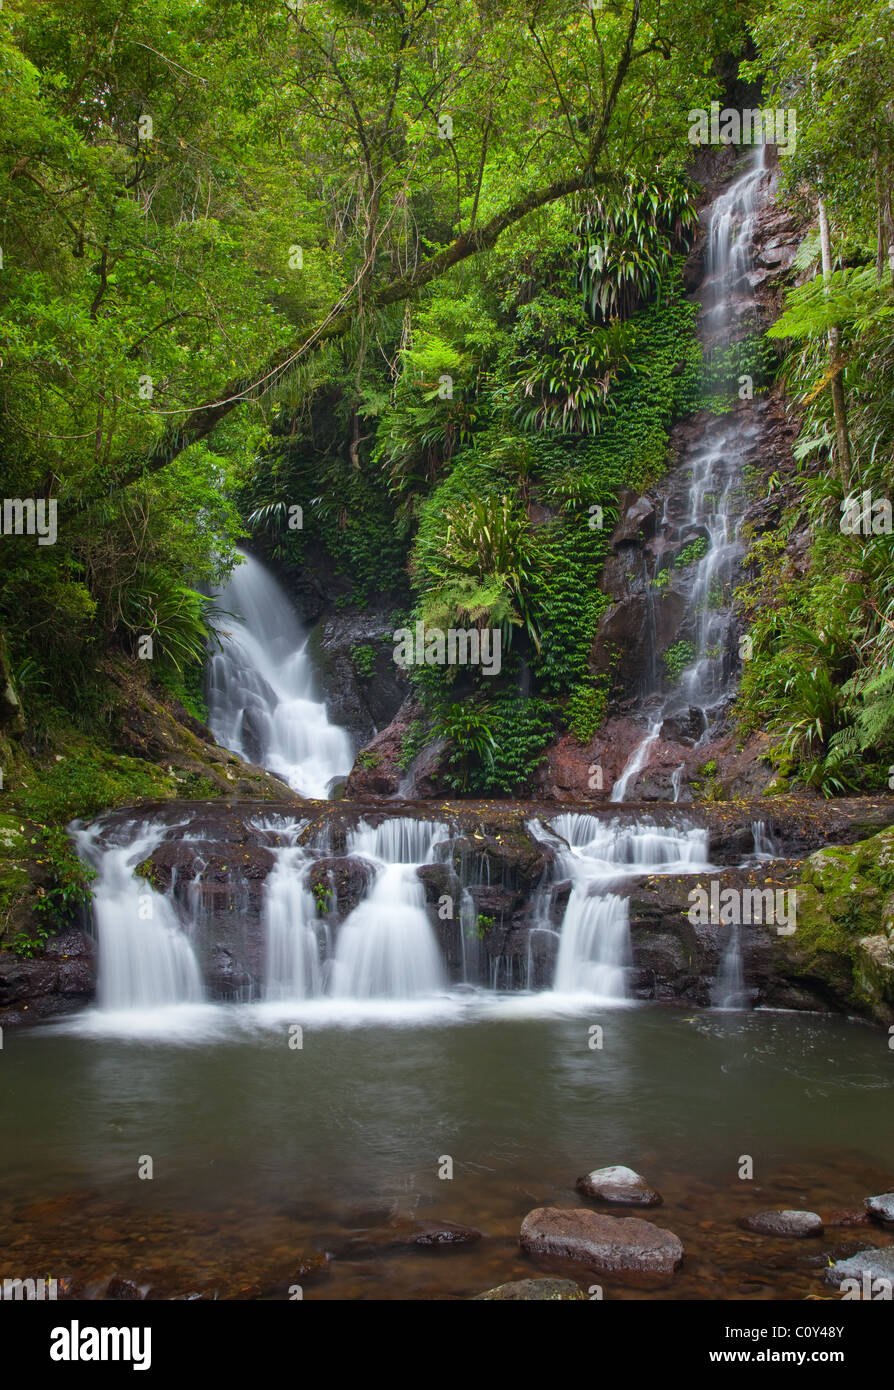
(881, 1208)
(620, 1186)
(533, 1290)
(636, 1251)
(785, 1223)
(878, 1264)
(124, 1289)
(407, 1235)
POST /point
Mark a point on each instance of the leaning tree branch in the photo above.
(198, 423)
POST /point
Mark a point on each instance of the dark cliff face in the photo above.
(504, 894)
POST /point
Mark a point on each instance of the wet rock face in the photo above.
(361, 698)
(59, 981)
(378, 769)
(339, 884)
(625, 1248)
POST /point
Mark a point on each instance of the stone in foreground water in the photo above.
(881, 1207)
(635, 1251)
(878, 1264)
(785, 1223)
(619, 1185)
(533, 1290)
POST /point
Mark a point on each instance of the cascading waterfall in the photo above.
(261, 700)
(145, 959)
(635, 763)
(728, 990)
(262, 704)
(389, 948)
(711, 516)
(292, 959)
(764, 847)
(594, 941)
(386, 947)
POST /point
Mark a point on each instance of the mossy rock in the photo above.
(14, 876)
(533, 1291)
(845, 924)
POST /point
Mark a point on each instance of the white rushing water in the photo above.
(764, 846)
(710, 517)
(594, 939)
(728, 990)
(386, 947)
(262, 701)
(293, 968)
(385, 955)
(145, 959)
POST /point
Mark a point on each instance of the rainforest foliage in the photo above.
(412, 270)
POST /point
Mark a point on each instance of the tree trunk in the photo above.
(842, 440)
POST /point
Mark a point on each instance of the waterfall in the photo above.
(261, 700)
(145, 960)
(709, 517)
(594, 945)
(764, 847)
(386, 948)
(728, 990)
(292, 962)
(635, 763)
(594, 942)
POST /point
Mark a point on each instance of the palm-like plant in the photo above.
(483, 563)
(569, 392)
(627, 239)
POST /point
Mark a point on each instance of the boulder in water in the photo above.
(876, 1264)
(635, 1251)
(797, 1224)
(533, 1291)
(618, 1185)
(407, 1235)
(881, 1208)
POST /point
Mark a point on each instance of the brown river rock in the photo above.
(628, 1248)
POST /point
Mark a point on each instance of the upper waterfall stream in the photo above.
(262, 701)
(704, 501)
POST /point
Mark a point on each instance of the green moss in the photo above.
(14, 877)
(845, 923)
(149, 872)
(364, 659)
(85, 781)
(586, 711)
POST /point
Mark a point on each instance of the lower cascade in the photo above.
(594, 942)
(362, 916)
(145, 958)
